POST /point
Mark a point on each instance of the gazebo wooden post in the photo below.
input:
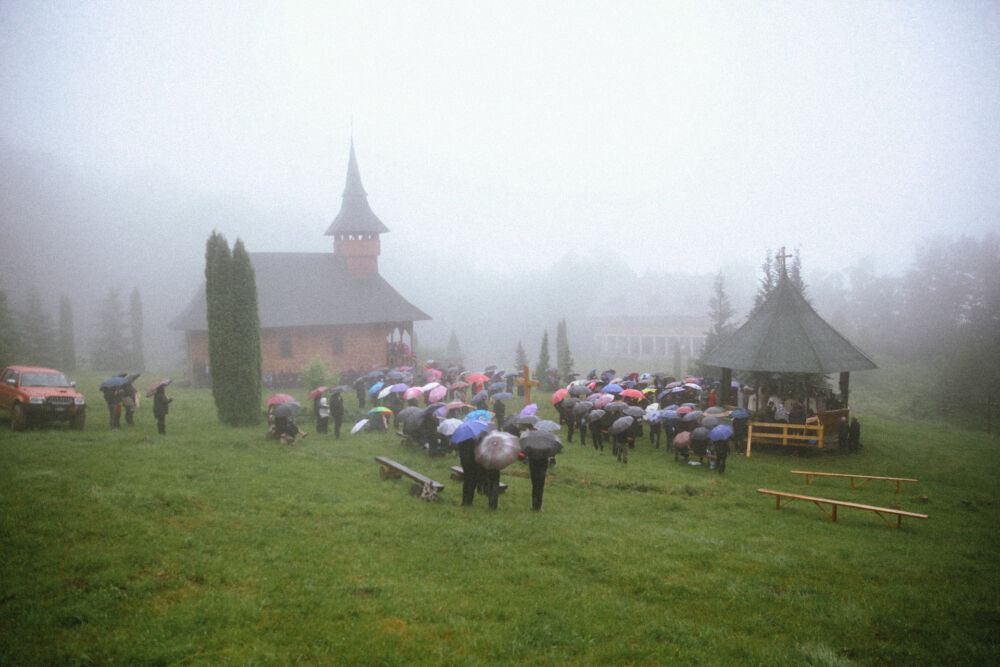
(724, 389)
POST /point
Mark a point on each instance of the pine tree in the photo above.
(520, 357)
(38, 344)
(137, 361)
(564, 358)
(543, 358)
(246, 374)
(9, 333)
(66, 344)
(720, 311)
(111, 351)
(453, 353)
(218, 263)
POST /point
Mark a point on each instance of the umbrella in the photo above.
(709, 421)
(412, 392)
(114, 381)
(162, 383)
(594, 415)
(287, 409)
(385, 392)
(458, 385)
(621, 425)
(437, 393)
(541, 443)
(496, 386)
(480, 397)
(692, 416)
(692, 385)
(432, 408)
(339, 388)
(409, 410)
(652, 407)
(274, 399)
(715, 410)
(398, 387)
(720, 432)
(559, 395)
(612, 388)
(529, 409)
(615, 406)
(684, 409)
(527, 420)
(603, 400)
(739, 414)
(357, 427)
(476, 378)
(372, 390)
(582, 408)
(479, 415)
(634, 411)
(448, 426)
(380, 410)
(700, 433)
(632, 393)
(502, 396)
(682, 440)
(431, 385)
(497, 450)
(468, 430)
(394, 376)
(546, 425)
(317, 391)
(455, 405)
(670, 414)
(579, 390)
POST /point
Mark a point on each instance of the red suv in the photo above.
(33, 394)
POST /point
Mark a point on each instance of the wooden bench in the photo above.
(834, 504)
(864, 478)
(389, 469)
(457, 473)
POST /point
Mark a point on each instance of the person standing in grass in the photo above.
(160, 408)
(721, 454)
(337, 412)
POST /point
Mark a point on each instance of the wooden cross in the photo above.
(781, 257)
(526, 382)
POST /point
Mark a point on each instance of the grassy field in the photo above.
(213, 545)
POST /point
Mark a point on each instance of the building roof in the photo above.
(312, 289)
(786, 335)
(355, 214)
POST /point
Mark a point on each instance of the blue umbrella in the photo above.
(670, 414)
(479, 415)
(496, 386)
(502, 396)
(396, 388)
(612, 388)
(480, 397)
(739, 414)
(114, 381)
(468, 430)
(375, 388)
(720, 432)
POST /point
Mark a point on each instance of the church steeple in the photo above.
(356, 228)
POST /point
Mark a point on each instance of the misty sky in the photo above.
(680, 135)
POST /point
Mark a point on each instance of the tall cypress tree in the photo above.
(520, 357)
(543, 358)
(246, 373)
(137, 361)
(564, 358)
(218, 261)
(66, 344)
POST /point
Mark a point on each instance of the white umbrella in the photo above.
(357, 427)
(497, 450)
(448, 426)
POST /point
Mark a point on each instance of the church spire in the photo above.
(356, 228)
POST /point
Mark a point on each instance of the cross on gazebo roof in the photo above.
(781, 257)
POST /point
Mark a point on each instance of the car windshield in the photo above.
(43, 380)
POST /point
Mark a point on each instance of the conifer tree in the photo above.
(246, 339)
(66, 344)
(218, 261)
(137, 361)
(38, 343)
(564, 358)
(8, 333)
(110, 351)
(453, 353)
(520, 357)
(720, 312)
(543, 358)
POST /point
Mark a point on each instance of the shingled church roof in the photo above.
(312, 289)
(786, 335)
(355, 214)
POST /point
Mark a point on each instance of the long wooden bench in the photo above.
(834, 504)
(389, 469)
(854, 484)
(457, 473)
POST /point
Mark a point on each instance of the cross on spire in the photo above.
(781, 257)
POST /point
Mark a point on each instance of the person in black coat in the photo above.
(721, 454)
(473, 474)
(160, 408)
(843, 433)
(336, 412)
(854, 435)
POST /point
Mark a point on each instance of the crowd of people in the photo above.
(121, 396)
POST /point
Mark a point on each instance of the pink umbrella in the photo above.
(278, 398)
(559, 395)
(317, 391)
(412, 392)
(437, 393)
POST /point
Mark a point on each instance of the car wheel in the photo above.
(18, 419)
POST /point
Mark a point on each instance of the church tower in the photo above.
(356, 228)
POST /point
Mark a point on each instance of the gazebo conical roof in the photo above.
(786, 335)
(356, 215)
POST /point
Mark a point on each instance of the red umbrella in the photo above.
(162, 383)
(477, 377)
(559, 395)
(278, 398)
(632, 393)
(684, 409)
(317, 391)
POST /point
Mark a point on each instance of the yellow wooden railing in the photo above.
(793, 435)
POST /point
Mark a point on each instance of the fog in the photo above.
(533, 161)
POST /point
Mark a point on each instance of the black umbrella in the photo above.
(480, 397)
(595, 415)
(432, 407)
(287, 409)
(615, 406)
(582, 408)
(404, 414)
(541, 444)
(527, 420)
(700, 433)
(495, 387)
(579, 390)
(570, 402)
(621, 425)
(634, 411)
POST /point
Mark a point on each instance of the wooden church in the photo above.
(335, 306)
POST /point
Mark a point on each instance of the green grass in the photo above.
(213, 545)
